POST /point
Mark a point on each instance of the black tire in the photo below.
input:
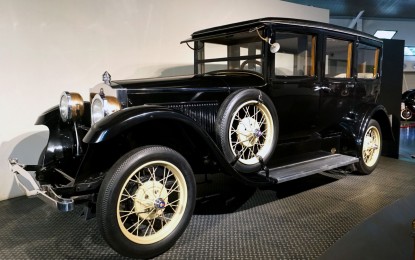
(247, 128)
(371, 148)
(146, 201)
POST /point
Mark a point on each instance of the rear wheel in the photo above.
(146, 201)
(371, 148)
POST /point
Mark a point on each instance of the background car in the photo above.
(408, 104)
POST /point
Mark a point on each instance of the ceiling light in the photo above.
(385, 34)
(409, 51)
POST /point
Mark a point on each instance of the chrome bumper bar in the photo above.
(31, 187)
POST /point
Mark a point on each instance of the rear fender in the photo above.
(356, 122)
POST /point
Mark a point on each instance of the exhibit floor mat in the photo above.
(302, 220)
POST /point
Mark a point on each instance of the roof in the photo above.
(258, 23)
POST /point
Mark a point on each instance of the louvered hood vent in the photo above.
(204, 113)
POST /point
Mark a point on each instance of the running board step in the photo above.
(309, 167)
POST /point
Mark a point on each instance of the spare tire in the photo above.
(247, 129)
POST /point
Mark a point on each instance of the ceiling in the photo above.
(393, 9)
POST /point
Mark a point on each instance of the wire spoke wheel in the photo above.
(146, 201)
(370, 149)
(246, 129)
(251, 132)
(151, 202)
(371, 146)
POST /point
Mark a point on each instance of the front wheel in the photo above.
(146, 201)
(371, 148)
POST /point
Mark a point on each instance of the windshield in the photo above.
(239, 51)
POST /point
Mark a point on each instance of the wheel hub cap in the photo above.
(371, 145)
(248, 132)
(159, 203)
(406, 114)
(148, 200)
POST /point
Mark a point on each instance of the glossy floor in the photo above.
(407, 141)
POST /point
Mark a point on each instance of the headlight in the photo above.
(97, 109)
(71, 106)
(103, 106)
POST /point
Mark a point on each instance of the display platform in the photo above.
(306, 219)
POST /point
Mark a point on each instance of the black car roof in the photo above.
(258, 23)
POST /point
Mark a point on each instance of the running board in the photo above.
(309, 167)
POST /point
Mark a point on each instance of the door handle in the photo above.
(323, 88)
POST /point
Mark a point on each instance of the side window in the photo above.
(338, 58)
(367, 61)
(296, 56)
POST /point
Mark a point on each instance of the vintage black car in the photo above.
(271, 100)
(408, 104)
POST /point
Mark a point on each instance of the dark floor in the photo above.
(306, 218)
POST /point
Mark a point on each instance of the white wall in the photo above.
(49, 46)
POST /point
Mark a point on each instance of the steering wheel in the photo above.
(256, 62)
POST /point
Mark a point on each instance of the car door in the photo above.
(338, 84)
(294, 77)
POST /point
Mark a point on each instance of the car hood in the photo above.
(217, 79)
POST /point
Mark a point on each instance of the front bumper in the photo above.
(31, 187)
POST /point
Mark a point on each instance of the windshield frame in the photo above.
(244, 41)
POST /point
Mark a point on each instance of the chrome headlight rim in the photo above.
(71, 106)
(102, 106)
(97, 109)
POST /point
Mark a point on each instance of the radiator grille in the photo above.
(204, 113)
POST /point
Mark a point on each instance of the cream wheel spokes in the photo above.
(371, 146)
(251, 132)
(152, 202)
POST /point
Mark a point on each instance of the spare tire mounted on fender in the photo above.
(247, 129)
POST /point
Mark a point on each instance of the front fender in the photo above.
(62, 143)
(51, 117)
(118, 123)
